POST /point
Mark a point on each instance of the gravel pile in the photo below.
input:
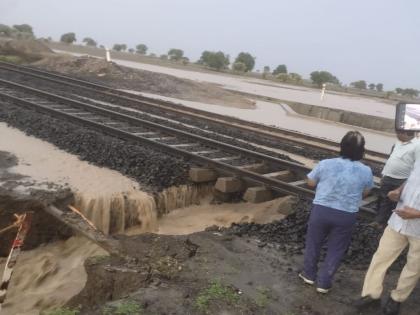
(288, 235)
(145, 165)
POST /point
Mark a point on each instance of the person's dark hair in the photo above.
(409, 133)
(352, 146)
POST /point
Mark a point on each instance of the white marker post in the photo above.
(107, 55)
(323, 91)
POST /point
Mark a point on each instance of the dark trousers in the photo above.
(386, 205)
(334, 227)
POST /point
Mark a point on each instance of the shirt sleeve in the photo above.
(315, 174)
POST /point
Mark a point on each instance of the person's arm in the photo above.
(369, 184)
(314, 176)
(311, 182)
(395, 194)
(408, 213)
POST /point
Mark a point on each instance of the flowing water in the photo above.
(119, 211)
(48, 276)
(114, 213)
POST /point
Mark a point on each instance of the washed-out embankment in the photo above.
(51, 269)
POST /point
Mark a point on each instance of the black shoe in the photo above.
(367, 302)
(391, 307)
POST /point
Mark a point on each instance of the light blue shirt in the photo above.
(340, 183)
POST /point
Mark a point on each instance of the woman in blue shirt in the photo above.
(340, 185)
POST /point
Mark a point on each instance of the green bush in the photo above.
(216, 292)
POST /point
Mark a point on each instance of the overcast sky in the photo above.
(374, 40)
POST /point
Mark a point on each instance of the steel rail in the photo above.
(228, 147)
(203, 115)
(254, 178)
(276, 185)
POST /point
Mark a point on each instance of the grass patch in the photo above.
(216, 292)
(61, 311)
(124, 308)
(263, 296)
(11, 59)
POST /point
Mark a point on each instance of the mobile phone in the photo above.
(407, 117)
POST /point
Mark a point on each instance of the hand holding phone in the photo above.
(407, 213)
(407, 117)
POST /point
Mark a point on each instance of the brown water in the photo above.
(43, 163)
(115, 213)
(48, 276)
(197, 218)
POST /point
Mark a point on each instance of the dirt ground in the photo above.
(213, 273)
(117, 76)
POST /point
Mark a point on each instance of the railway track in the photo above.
(294, 139)
(281, 176)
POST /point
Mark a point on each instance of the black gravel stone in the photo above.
(147, 166)
(288, 236)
